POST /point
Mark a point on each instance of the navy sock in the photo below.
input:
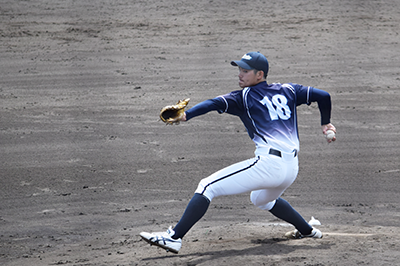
(283, 210)
(195, 210)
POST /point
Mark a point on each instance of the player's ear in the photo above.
(260, 74)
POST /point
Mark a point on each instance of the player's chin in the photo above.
(242, 85)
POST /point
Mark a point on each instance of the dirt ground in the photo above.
(86, 164)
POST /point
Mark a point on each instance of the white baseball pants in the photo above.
(266, 176)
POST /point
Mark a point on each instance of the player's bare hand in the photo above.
(329, 131)
(183, 118)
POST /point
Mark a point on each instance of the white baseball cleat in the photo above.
(295, 234)
(163, 240)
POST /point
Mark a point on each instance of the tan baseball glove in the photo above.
(172, 114)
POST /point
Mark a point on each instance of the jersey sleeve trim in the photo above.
(308, 95)
(290, 87)
(226, 104)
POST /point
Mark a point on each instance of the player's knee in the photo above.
(259, 201)
(204, 189)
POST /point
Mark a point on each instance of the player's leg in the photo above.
(195, 210)
(171, 240)
(269, 198)
(281, 209)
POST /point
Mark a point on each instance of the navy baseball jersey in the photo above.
(268, 111)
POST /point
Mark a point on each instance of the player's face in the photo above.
(249, 78)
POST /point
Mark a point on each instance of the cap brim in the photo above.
(241, 64)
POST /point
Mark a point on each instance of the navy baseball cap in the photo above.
(253, 60)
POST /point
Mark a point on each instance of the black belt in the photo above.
(279, 153)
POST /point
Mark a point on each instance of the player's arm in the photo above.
(308, 95)
(216, 104)
(323, 99)
(324, 104)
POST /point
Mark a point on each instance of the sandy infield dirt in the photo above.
(86, 164)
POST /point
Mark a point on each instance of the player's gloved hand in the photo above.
(173, 114)
(328, 135)
(176, 120)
